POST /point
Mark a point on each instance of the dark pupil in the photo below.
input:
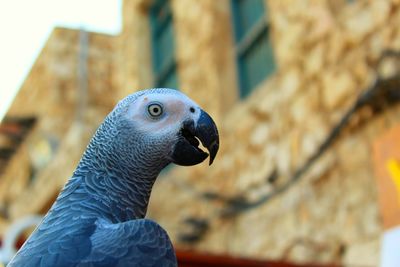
(156, 110)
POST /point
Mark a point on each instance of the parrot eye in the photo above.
(155, 110)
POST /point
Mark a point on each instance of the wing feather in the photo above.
(73, 234)
(133, 243)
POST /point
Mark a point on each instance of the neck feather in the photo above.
(120, 174)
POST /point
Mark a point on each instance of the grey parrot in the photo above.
(98, 218)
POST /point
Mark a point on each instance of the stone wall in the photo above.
(51, 93)
(133, 56)
(204, 51)
(205, 55)
(325, 52)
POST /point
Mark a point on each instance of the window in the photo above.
(164, 62)
(255, 59)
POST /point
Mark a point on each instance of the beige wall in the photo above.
(133, 61)
(324, 50)
(204, 52)
(51, 94)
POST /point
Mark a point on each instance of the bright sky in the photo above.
(25, 26)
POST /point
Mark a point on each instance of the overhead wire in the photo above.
(383, 93)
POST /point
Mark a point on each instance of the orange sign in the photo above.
(387, 170)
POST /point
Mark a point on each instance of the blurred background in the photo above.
(305, 93)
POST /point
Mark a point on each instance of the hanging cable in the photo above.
(382, 94)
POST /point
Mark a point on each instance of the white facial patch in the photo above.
(176, 109)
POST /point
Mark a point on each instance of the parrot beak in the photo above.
(186, 151)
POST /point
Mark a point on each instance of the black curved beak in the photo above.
(186, 151)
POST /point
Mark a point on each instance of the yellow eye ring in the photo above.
(155, 110)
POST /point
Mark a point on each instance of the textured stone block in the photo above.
(337, 86)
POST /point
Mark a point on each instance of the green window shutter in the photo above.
(163, 45)
(255, 59)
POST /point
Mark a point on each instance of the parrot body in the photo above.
(98, 218)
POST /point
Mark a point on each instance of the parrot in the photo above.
(98, 219)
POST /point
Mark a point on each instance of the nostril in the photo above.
(192, 109)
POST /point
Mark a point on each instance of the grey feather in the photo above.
(98, 218)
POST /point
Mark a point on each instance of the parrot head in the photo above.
(165, 125)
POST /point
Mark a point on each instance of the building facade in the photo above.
(294, 177)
